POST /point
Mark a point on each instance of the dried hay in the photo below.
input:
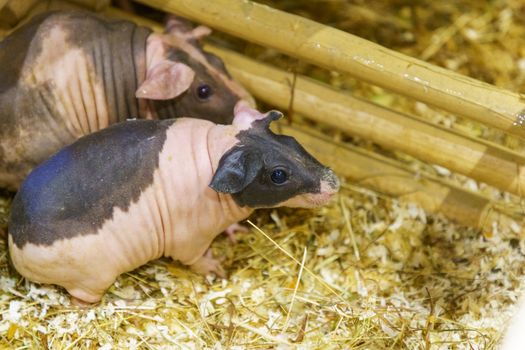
(366, 272)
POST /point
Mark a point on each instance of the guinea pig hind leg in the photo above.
(81, 304)
(86, 297)
(83, 299)
(208, 264)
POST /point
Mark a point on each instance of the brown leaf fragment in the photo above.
(302, 330)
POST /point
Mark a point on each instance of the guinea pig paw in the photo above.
(81, 304)
(83, 299)
(208, 264)
(234, 228)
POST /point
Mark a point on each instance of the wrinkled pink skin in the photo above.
(166, 220)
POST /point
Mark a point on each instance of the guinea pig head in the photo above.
(188, 81)
(268, 170)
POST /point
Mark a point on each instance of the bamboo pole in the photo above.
(481, 160)
(115, 12)
(390, 178)
(334, 49)
(95, 5)
(475, 158)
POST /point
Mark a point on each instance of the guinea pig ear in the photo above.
(177, 25)
(199, 32)
(182, 28)
(166, 80)
(271, 116)
(236, 170)
(245, 115)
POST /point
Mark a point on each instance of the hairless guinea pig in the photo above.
(142, 189)
(67, 74)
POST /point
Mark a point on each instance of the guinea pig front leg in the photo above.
(207, 264)
(233, 229)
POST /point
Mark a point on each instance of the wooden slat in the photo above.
(95, 5)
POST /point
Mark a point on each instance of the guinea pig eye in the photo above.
(279, 176)
(204, 91)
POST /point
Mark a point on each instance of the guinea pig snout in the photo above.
(329, 183)
(329, 187)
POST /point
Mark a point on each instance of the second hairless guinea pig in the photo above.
(143, 189)
(67, 74)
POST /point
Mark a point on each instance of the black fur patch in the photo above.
(245, 171)
(77, 189)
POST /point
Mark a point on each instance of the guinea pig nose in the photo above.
(331, 179)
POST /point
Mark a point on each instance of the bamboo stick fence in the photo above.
(358, 117)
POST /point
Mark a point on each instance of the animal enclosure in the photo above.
(417, 107)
